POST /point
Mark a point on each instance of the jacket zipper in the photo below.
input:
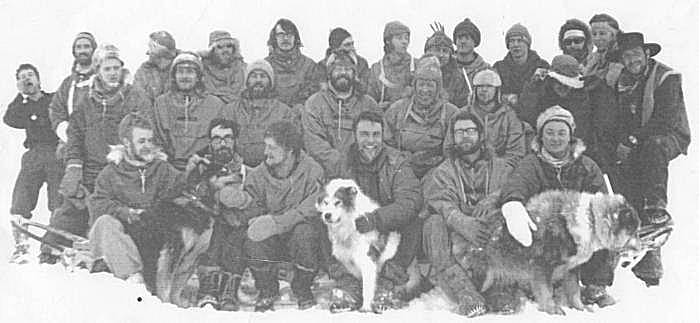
(142, 174)
(559, 176)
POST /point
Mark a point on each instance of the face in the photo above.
(517, 47)
(83, 51)
(556, 137)
(560, 89)
(185, 77)
(466, 136)
(368, 136)
(426, 91)
(342, 77)
(576, 47)
(111, 72)
(603, 35)
(465, 44)
(348, 45)
(28, 82)
(221, 138)
(141, 147)
(400, 42)
(223, 52)
(163, 62)
(258, 82)
(285, 41)
(442, 53)
(275, 154)
(485, 94)
(635, 60)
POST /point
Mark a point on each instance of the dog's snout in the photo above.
(327, 216)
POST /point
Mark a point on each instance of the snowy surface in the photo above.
(41, 32)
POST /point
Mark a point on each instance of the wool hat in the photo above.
(428, 67)
(574, 28)
(556, 113)
(395, 28)
(103, 53)
(519, 30)
(438, 39)
(162, 43)
(604, 17)
(84, 35)
(487, 77)
(631, 40)
(187, 58)
(261, 65)
(218, 35)
(567, 71)
(467, 27)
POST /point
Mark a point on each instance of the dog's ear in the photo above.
(346, 195)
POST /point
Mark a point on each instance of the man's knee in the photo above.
(105, 224)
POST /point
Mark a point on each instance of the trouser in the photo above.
(110, 242)
(39, 166)
(68, 217)
(226, 248)
(301, 246)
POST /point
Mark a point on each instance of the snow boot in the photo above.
(21, 253)
(347, 296)
(459, 288)
(504, 301)
(301, 287)
(99, 266)
(209, 286)
(266, 300)
(595, 294)
(229, 294)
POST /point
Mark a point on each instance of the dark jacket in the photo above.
(226, 84)
(457, 79)
(399, 194)
(295, 76)
(64, 99)
(503, 132)
(33, 117)
(151, 80)
(391, 78)
(514, 76)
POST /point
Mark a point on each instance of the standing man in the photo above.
(282, 220)
(605, 61)
(183, 114)
(224, 67)
(391, 78)
(653, 130)
(467, 38)
(30, 111)
(340, 40)
(575, 40)
(294, 72)
(519, 64)
(329, 114)
(152, 76)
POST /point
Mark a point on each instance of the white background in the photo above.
(41, 32)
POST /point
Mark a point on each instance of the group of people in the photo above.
(438, 142)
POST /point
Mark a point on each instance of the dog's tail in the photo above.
(392, 244)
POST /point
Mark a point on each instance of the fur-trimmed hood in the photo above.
(577, 147)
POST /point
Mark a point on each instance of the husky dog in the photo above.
(362, 254)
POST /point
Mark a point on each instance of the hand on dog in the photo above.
(518, 222)
(475, 230)
(262, 227)
(134, 215)
(194, 161)
(365, 223)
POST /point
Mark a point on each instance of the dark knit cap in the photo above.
(467, 27)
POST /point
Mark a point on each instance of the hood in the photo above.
(577, 148)
(117, 153)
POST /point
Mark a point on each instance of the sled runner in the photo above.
(75, 254)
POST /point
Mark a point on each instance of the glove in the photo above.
(518, 222)
(482, 210)
(233, 196)
(540, 74)
(133, 215)
(622, 152)
(474, 230)
(70, 184)
(262, 227)
(365, 223)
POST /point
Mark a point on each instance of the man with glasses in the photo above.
(224, 67)
(575, 40)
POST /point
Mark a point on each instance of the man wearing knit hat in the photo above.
(329, 113)
(466, 37)
(390, 77)
(575, 40)
(92, 128)
(63, 101)
(653, 130)
(183, 113)
(224, 67)
(256, 109)
(152, 76)
(295, 73)
(518, 66)
(340, 40)
(440, 46)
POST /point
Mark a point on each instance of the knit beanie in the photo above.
(519, 30)
(438, 39)
(261, 65)
(395, 28)
(567, 71)
(103, 53)
(218, 35)
(487, 77)
(467, 27)
(556, 113)
(84, 35)
(162, 44)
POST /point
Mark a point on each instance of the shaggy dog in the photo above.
(571, 227)
(362, 254)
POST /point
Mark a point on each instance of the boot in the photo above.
(347, 296)
(229, 294)
(98, 266)
(21, 252)
(209, 286)
(654, 213)
(459, 288)
(595, 294)
(301, 287)
(266, 299)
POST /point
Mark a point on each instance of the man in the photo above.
(182, 114)
(458, 194)
(418, 125)
(390, 78)
(152, 76)
(282, 220)
(575, 40)
(30, 111)
(384, 175)
(467, 38)
(255, 110)
(440, 46)
(653, 130)
(92, 128)
(519, 64)
(605, 61)
(294, 72)
(63, 101)
(340, 40)
(502, 130)
(328, 116)
(224, 67)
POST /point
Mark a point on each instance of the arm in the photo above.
(257, 199)
(312, 187)
(58, 110)
(103, 199)
(515, 141)
(407, 201)
(442, 194)
(310, 84)
(594, 181)
(316, 142)
(523, 182)
(668, 99)
(16, 116)
(528, 103)
(75, 146)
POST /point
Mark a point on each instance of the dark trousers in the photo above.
(226, 248)
(68, 217)
(39, 166)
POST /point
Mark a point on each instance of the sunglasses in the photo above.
(224, 46)
(577, 41)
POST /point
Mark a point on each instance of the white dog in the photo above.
(363, 254)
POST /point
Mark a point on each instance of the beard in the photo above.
(342, 83)
(143, 155)
(84, 59)
(224, 59)
(258, 90)
(465, 149)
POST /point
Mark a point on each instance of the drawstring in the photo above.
(104, 109)
(340, 115)
(142, 174)
(187, 109)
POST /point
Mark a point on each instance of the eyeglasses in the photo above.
(224, 46)
(284, 35)
(467, 132)
(217, 140)
(577, 41)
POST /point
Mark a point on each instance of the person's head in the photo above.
(340, 40)
(428, 81)
(565, 75)
(342, 72)
(136, 134)
(83, 47)
(259, 79)
(224, 49)
(397, 37)
(222, 134)
(555, 131)
(283, 142)
(604, 31)
(28, 81)
(186, 72)
(161, 49)
(284, 36)
(368, 129)
(635, 52)
(466, 37)
(440, 46)
(487, 86)
(467, 132)
(108, 65)
(518, 41)
(575, 39)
